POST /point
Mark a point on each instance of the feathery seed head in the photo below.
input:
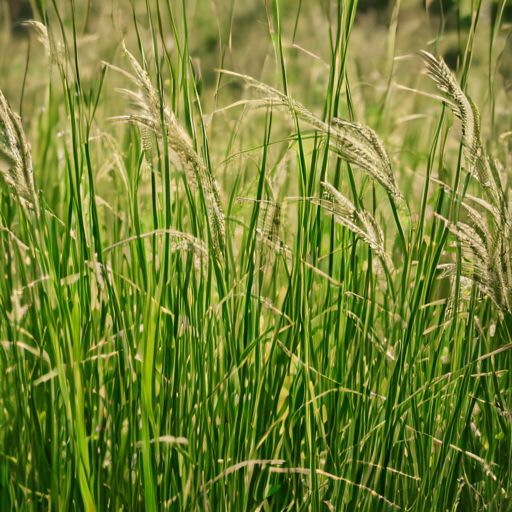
(464, 108)
(359, 221)
(54, 51)
(361, 146)
(42, 34)
(155, 116)
(353, 142)
(15, 157)
(340, 204)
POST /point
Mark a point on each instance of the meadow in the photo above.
(256, 255)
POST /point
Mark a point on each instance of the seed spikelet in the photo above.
(15, 158)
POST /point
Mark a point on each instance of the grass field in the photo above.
(256, 255)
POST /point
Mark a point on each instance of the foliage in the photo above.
(218, 299)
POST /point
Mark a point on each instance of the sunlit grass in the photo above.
(292, 297)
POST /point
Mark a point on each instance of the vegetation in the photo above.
(221, 294)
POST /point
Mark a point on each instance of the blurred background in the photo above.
(235, 35)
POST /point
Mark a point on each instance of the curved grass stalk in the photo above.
(147, 100)
(465, 109)
(356, 143)
(360, 222)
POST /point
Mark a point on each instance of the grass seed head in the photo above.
(359, 221)
(15, 157)
(356, 143)
(465, 109)
(156, 116)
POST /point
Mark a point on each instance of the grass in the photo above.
(286, 297)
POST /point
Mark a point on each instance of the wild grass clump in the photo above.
(212, 305)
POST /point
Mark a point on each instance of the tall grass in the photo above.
(296, 296)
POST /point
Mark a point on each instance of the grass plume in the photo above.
(16, 171)
(148, 102)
